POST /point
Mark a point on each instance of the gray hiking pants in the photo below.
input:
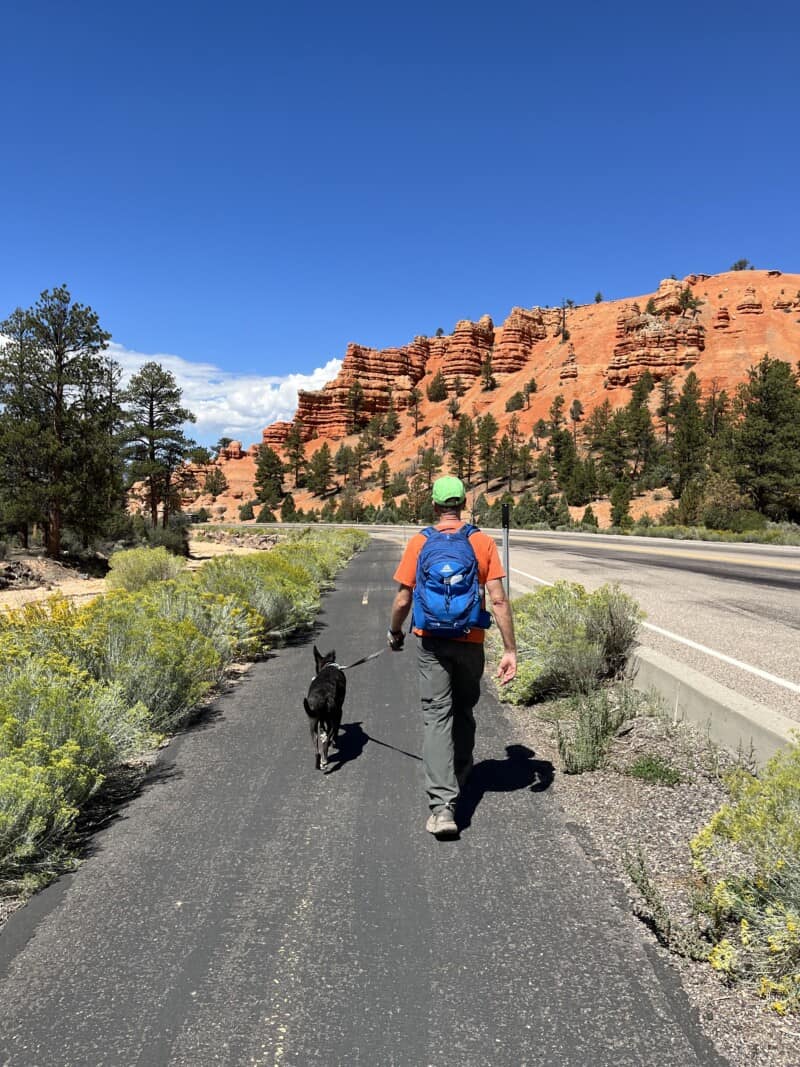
(449, 688)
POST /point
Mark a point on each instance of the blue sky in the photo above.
(243, 188)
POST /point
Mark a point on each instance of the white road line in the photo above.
(784, 682)
(365, 597)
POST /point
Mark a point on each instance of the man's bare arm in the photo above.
(501, 609)
(400, 610)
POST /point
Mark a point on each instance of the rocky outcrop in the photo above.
(739, 317)
(385, 376)
(569, 368)
(233, 451)
(519, 333)
(667, 299)
(647, 342)
(275, 435)
(467, 349)
(782, 302)
(750, 304)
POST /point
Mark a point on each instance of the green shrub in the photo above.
(265, 515)
(168, 665)
(599, 715)
(747, 858)
(233, 629)
(134, 568)
(41, 789)
(612, 622)
(243, 577)
(246, 511)
(653, 769)
(60, 732)
(175, 538)
(569, 640)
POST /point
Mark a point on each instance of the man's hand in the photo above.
(395, 640)
(507, 668)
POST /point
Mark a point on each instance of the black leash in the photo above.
(358, 662)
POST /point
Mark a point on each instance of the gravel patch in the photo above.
(614, 815)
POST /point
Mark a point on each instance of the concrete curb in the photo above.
(732, 720)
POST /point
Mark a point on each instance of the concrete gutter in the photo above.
(734, 721)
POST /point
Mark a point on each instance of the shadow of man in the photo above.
(519, 770)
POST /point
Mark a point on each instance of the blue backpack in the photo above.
(447, 595)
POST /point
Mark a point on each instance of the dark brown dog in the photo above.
(324, 705)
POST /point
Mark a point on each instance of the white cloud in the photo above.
(226, 404)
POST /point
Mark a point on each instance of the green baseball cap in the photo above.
(448, 490)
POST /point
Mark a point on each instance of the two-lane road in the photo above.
(730, 611)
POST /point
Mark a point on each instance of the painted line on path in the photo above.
(784, 682)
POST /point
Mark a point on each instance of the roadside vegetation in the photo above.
(85, 689)
(735, 908)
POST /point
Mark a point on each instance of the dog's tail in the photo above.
(309, 712)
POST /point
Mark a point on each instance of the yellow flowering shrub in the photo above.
(747, 858)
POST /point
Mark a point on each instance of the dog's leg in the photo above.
(314, 726)
(324, 742)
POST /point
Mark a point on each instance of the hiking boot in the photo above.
(464, 773)
(441, 823)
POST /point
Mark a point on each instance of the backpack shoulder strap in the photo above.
(468, 529)
(428, 531)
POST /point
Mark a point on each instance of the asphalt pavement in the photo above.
(246, 909)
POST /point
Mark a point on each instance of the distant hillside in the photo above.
(717, 325)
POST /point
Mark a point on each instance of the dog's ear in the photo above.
(317, 658)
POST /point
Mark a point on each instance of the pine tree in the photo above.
(156, 446)
(487, 443)
(557, 413)
(320, 471)
(666, 404)
(384, 474)
(216, 483)
(528, 389)
(391, 423)
(414, 398)
(355, 402)
(437, 389)
(59, 404)
(488, 381)
(639, 425)
(454, 409)
(540, 430)
(268, 481)
(430, 463)
(767, 439)
(615, 447)
(506, 460)
(620, 505)
(690, 442)
(596, 425)
(295, 451)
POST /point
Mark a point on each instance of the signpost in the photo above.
(506, 509)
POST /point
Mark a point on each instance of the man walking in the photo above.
(450, 667)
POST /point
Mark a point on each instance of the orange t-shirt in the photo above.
(489, 566)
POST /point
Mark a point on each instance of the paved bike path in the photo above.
(245, 909)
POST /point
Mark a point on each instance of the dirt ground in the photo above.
(46, 577)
